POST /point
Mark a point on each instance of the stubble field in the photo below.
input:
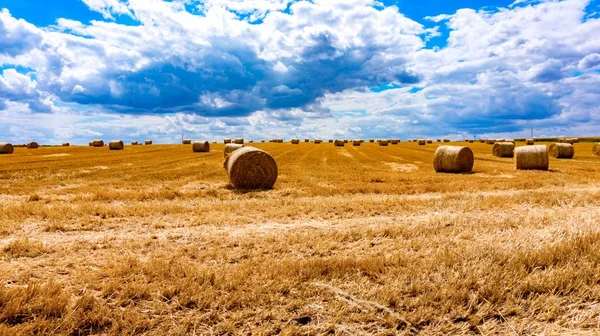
(351, 241)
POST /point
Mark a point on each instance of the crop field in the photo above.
(351, 241)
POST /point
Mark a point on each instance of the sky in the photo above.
(76, 70)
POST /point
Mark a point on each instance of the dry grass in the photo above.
(152, 240)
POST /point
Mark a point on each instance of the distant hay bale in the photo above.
(230, 148)
(571, 141)
(356, 142)
(238, 141)
(226, 141)
(6, 148)
(371, 140)
(201, 146)
(561, 140)
(490, 142)
(66, 144)
(295, 141)
(251, 141)
(438, 140)
(134, 143)
(116, 145)
(481, 141)
(529, 142)
(98, 143)
(251, 168)
(187, 141)
(446, 140)
(394, 141)
(338, 143)
(91, 144)
(330, 140)
(471, 141)
(318, 141)
(383, 142)
(562, 150)
(596, 149)
(280, 140)
(504, 149)
(148, 142)
(262, 141)
(306, 140)
(345, 140)
(33, 145)
(453, 159)
(429, 141)
(422, 142)
(531, 158)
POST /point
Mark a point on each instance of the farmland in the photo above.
(352, 240)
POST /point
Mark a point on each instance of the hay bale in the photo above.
(504, 149)
(481, 141)
(446, 140)
(201, 146)
(33, 145)
(238, 141)
(471, 141)
(561, 140)
(429, 141)
(562, 150)
(394, 141)
(6, 148)
(356, 142)
(453, 159)
(98, 143)
(345, 141)
(116, 145)
(295, 141)
(66, 144)
(383, 143)
(251, 168)
(330, 140)
(91, 144)
(134, 143)
(596, 149)
(372, 140)
(571, 141)
(529, 142)
(187, 141)
(306, 140)
(422, 142)
(318, 141)
(148, 142)
(262, 141)
(280, 140)
(438, 140)
(490, 142)
(531, 158)
(230, 148)
(338, 143)
(227, 141)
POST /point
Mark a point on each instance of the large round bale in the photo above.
(33, 144)
(6, 148)
(251, 168)
(201, 146)
(148, 142)
(422, 142)
(230, 148)
(453, 159)
(187, 141)
(98, 143)
(356, 142)
(238, 141)
(383, 142)
(531, 158)
(596, 149)
(504, 149)
(338, 143)
(295, 141)
(529, 142)
(562, 150)
(116, 145)
(227, 141)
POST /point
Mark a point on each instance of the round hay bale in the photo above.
(394, 141)
(438, 140)
(561, 140)
(571, 141)
(422, 142)
(134, 143)
(531, 158)
(504, 149)
(345, 141)
(251, 168)
(6, 148)
(251, 141)
(471, 141)
(306, 140)
(562, 150)
(33, 145)
(446, 140)
(227, 141)
(98, 143)
(596, 149)
(262, 141)
(481, 141)
(230, 148)
(429, 141)
(490, 142)
(339, 143)
(148, 142)
(383, 143)
(372, 140)
(356, 142)
(66, 144)
(295, 141)
(529, 142)
(318, 141)
(330, 140)
(91, 144)
(116, 145)
(238, 141)
(187, 141)
(201, 146)
(453, 159)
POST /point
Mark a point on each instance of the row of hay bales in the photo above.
(556, 150)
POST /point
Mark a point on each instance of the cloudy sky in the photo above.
(73, 70)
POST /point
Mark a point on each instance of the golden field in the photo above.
(351, 241)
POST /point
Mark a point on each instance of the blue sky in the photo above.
(75, 69)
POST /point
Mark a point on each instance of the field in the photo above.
(351, 241)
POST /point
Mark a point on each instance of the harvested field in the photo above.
(158, 242)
